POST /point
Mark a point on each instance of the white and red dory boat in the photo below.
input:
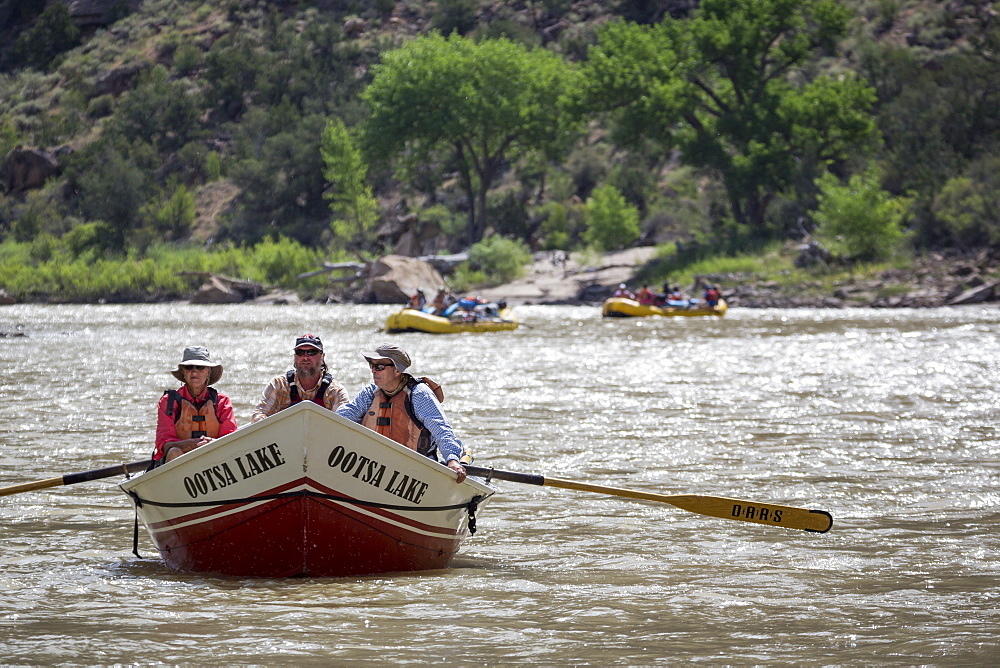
(305, 492)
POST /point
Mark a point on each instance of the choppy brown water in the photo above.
(888, 419)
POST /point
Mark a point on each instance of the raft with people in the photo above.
(465, 315)
(622, 307)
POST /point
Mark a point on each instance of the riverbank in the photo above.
(933, 279)
(554, 277)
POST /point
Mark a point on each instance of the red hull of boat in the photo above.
(303, 536)
(335, 499)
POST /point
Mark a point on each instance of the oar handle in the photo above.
(97, 474)
(509, 476)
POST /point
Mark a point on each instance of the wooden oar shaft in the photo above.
(768, 514)
(73, 478)
(31, 486)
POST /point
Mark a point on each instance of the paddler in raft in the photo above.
(623, 292)
(405, 409)
(195, 413)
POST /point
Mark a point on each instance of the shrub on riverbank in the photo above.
(772, 265)
(49, 270)
(492, 261)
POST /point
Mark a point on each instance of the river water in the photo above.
(888, 419)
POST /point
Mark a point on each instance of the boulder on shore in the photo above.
(222, 290)
(393, 278)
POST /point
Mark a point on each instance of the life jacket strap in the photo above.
(174, 400)
(293, 390)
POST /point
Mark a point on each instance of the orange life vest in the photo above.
(197, 419)
(393, 417)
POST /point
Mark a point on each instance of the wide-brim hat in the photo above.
(198, 356)
(388, 351)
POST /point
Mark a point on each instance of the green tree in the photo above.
(937, 123)
(280, 171)
(554, 228)
(232, 68)
(355, 209)
(112, 179)
(859, 219)
(486, 104)
(968, 206)
(729, 88)
(52, 34)
(611, 222)
(174, 214)
(160, 111)
(455, 16)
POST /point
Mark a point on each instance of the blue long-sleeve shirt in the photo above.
(426, 407)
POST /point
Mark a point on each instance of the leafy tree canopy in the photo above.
(483, 103)
(727, 88)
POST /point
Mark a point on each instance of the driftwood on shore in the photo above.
(360, 269)
(445, 264)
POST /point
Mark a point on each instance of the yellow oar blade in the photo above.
(787, 517)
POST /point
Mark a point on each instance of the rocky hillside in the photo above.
(125, 122)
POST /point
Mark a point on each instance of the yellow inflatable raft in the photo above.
(411, 320)
(617, 307)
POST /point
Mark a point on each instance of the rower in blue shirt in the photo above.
(405, 409)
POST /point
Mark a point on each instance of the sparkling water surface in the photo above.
(888, 419)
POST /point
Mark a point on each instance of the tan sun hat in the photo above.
(387, 351)
(198, 356)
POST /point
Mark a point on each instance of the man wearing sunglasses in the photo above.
(309, 380)
(405, 409)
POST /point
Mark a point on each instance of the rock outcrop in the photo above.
(408, 235)
(118, 80)
(393, 278)
(222, 290)
(27, 168)
(94, 13)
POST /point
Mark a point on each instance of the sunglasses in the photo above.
(308, 352)
(379, 367)
(193, 367)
